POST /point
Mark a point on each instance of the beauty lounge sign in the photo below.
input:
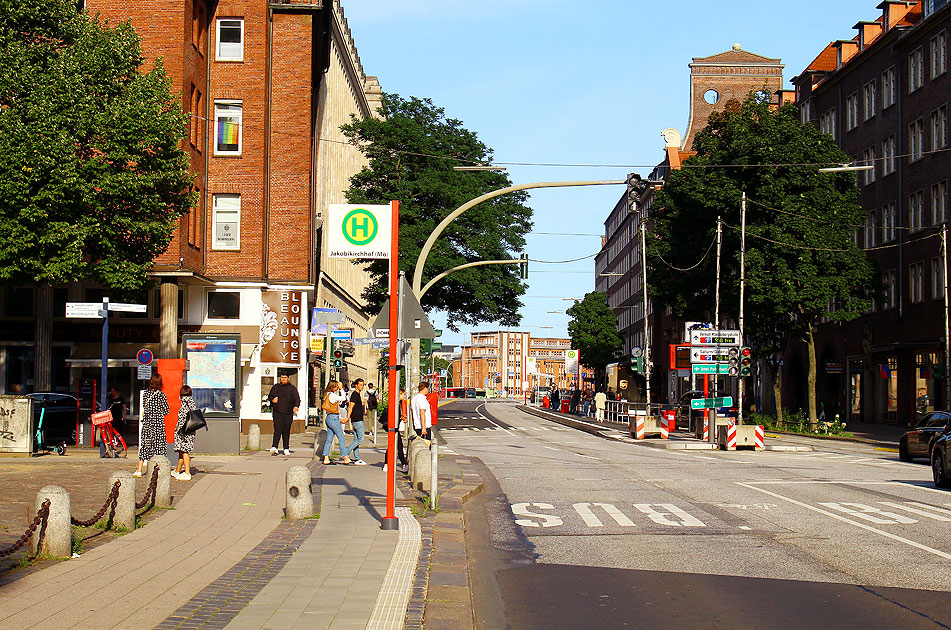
(281, 313)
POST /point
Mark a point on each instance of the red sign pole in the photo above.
(393, 394)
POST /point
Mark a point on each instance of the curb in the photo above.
(568, 422)
(838, 438)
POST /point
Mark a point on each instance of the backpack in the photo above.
(371, 400)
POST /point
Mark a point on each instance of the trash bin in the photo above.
(545, 402)
(670, 416)
(565, 405)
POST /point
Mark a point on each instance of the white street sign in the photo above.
(571, 362)
(358, 231)
(127, 308)
(714, 337)
(144, 372)
(87, 310)
(711, 354)
(382, 333)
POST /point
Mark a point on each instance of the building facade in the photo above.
(266, 87)
(883, 95)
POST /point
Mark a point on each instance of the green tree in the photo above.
(92, 176)
(593, 331)
(801, 262)
(411, 150)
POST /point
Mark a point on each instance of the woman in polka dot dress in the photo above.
(154, 410)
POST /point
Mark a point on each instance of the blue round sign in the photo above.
(144, 356)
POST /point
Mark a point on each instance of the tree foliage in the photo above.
(92, 176)
(801, 262)
(593, 331)
(411, 150)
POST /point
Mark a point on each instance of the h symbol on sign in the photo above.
(361, 223)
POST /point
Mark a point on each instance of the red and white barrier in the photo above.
(760, 437)
(639, 428)
(664, 429)
(706, 430)
(731, 437)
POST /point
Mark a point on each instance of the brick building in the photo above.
(266, 86)
(883, 96)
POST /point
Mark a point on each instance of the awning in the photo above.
(247, 351)
(120, 357)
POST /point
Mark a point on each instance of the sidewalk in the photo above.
(223, 556)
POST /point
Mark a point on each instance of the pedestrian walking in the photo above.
(356, 412)
(575, 400)
(115, 403)
(401, 427)
(600, 402)
(331, 404)
(586, 401)
(154, 410)
(184, 442)
(422, 411)
(285, 401)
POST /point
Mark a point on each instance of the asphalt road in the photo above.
(581, 531)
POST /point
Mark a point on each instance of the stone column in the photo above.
(55, 539)
(299, 500)
(43, 337)
(168, 320)
(124, 517)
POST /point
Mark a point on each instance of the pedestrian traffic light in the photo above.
(637, 365)
(523, 267)
(745, 355)
(338, 359)
(733, 362)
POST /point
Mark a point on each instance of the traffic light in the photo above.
(523, 267)
(745, 368)
(637, 365)
(426, 347)
(338, 359)
(734, 361)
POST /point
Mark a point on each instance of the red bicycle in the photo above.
(115, 444)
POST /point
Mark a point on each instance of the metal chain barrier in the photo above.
(41, 516)
(110, 501)
(150, 493)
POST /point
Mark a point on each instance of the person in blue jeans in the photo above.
(331, 404)
(356, 411)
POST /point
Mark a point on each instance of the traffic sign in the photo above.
(714, 337)
(710, 368)
(144, 372)
(326, 316)
(711, 354)
(710, 403)
(84, 310)
(358, 231)
(127, 308)
(344, 333)
(144, 356)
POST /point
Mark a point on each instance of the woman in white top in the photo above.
(331, 404)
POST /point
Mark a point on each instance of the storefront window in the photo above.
(925, 389)
(856, 389)
(892, 376)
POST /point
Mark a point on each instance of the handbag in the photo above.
(194, 421)
(330, 407)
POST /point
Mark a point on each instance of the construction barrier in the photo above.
(733, 436)
(760, 437)
(639, 427)
(664, 428)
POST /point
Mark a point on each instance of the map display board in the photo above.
(213, 363)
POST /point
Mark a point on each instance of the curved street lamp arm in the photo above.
(427, 247)
(430, 284)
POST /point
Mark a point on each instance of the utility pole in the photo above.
(947, 337)
(647, 342)
(716, 312)
(741, 386)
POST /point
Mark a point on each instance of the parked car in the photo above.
(941, 460)
(919, 441)
(59, 417)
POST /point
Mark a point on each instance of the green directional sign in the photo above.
(710, 368)
(710, 403)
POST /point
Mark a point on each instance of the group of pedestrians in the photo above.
(343, 409)
(154, 409)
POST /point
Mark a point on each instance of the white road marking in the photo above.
(548, 520)
(672, 510)
(588, 456)
(551, 448)
(913, 507)
(746, 527)
(584, 511)
(869, 513)
(484, 417)
(911, 543)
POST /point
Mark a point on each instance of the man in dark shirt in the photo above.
(355, 415)
(116, 405)
(285, 402)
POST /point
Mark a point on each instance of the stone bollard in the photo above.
(414, 445)
(254, 438)
(163, 489)
(124, 517)
(422, 469)
(55, 538)
(299, 500)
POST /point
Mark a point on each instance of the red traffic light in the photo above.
(745, 352)
(338, 354)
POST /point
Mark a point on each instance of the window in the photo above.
(916, 138)
(228, 127)
(851, 112)
(196, 118)
(869, 159)
(889, 218)
(888, 282)
(18, 302)
(224, 305)
(916, 284)
(888, 155)
(230, 39)
(870, 231)
(805, 111)
(916, 70)
(870, 101)
(939, 201)
(194, 222)
(916, 211)
(227, 210)
(937, 278)
(888, 88)
(939, 62)
(939, 126)
(199, 24)
(827, 122)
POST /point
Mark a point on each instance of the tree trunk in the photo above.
(43, 338)
(778, 395)
(811, 378)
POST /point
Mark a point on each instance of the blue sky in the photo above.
(566, 82)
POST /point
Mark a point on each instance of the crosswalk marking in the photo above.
(665, 514)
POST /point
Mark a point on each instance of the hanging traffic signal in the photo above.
(745, 355)
(338, 359)
(734, 362)
(523, 267)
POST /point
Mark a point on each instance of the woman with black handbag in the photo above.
(184, 442)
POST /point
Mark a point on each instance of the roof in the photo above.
(736, 56)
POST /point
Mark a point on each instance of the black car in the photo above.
(59, 413)
(941, 460)
(919, 441)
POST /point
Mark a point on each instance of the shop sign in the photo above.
(834, 367)
(280, 327)
(16, 434)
